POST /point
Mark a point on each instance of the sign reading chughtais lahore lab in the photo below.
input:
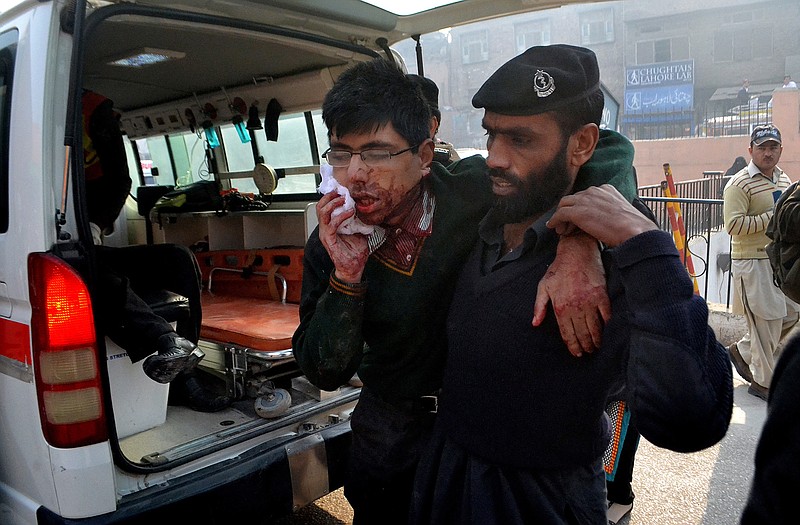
(659, 88)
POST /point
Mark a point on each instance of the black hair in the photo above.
(372, 94)
(430, 91)
(588, 110)
(738, 165)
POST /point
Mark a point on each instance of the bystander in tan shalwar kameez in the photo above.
(749, 199)
(771, 314)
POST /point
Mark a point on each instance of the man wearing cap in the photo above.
(443, 152)
(521, 429)
(376, 303)
(748, 202)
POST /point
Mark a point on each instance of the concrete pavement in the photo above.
(709, 487)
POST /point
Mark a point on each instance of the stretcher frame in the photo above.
(245, 336)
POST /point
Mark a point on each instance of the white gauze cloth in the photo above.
(329, 184)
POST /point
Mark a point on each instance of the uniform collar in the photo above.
(490, 231)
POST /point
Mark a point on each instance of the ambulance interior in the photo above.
(206, 98)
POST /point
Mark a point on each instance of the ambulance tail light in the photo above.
(65, 354)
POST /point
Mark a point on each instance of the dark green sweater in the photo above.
(390, 328)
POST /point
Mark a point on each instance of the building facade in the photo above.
(689, 60)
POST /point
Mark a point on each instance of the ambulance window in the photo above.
(155, 162)
(189, 154)
(292, 149)
(180, 159)
(8, 50)
(132, 169)
(160, 158)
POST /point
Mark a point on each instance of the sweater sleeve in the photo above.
(328, 343)
(734, 210)
(611, 163)
(678, 375)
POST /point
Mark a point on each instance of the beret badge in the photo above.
(543, 83)
(542, 79)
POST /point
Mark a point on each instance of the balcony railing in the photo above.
(713, 122)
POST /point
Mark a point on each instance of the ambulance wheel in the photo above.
(273, 404)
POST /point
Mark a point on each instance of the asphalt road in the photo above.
(704, 488)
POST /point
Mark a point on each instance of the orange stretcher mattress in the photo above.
(259, 324)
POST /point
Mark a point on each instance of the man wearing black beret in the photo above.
(521, 428)
(376, 303)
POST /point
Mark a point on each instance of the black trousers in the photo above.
(126, 275)
(387, 445)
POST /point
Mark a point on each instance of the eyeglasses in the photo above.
(339, 158)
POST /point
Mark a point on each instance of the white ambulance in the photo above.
(206, 90)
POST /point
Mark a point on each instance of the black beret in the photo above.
(429, 90)
(541, 79)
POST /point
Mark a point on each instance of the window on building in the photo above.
(474, 47)
(762, 42)
(535, 33)
(723, 46)
(597, 26)
(8, 51)
(679, 48)
(742, 48)
(742, 42)
(662, 50)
